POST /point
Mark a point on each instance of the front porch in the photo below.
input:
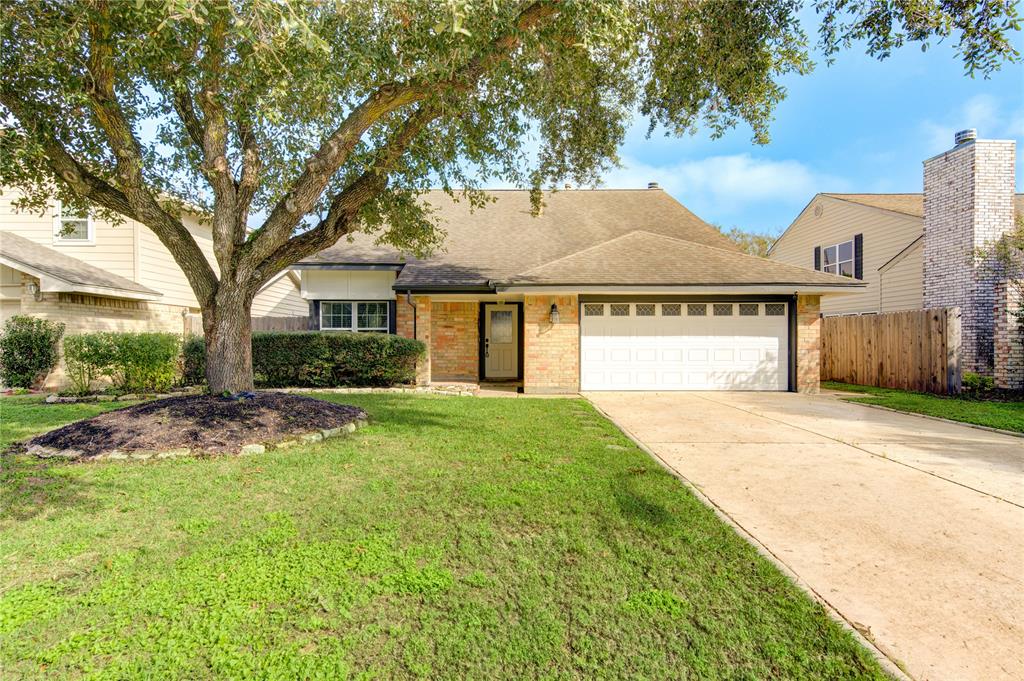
(501, 344)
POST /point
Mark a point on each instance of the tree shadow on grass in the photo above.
(635, 505)
(29, 487)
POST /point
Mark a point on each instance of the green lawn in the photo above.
(452, 538)
(1004, 415)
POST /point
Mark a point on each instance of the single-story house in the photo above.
(603, 290)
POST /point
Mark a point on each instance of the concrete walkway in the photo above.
(911, 528)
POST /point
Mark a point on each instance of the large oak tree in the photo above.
(322, 117)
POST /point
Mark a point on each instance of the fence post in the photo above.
(953, 376)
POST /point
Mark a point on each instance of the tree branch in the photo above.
(252, 166)
(345, 207)
(333, 153)
(126, 148)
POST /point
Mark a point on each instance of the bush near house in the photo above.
(134, 362)
(319, 360)
(28, 350)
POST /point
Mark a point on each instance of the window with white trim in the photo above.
(336, 315)
(838, 259)
(70, 227)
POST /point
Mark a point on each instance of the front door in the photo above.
(501, 341)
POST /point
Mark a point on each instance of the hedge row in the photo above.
(133, 361)
(283, 359)
(28, 350)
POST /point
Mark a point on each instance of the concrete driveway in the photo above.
(911, 528)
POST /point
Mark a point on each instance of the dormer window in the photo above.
(70, 227)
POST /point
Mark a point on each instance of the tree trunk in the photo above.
(227, 326)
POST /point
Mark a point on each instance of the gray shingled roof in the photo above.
(639, 237)
(72, 271)
(643, 258)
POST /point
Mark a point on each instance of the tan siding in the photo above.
(901, 283)
(885, 235)
(112, 247)
(280, 299)
(158, 269)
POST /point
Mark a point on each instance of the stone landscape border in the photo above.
(179, 452)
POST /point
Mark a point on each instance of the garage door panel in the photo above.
(684, 351)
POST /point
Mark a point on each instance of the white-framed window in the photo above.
(345, 315)
(838, 259)
(72, 228)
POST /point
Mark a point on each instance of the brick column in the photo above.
(551, 352)
(808, 344)
(404, 326)
(455, 335)
(1008, 337)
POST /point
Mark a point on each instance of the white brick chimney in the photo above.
(968, 202)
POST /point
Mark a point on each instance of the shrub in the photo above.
(28, 350)
(193, 361)
(135, 362)
(976, 384)
(316, 359)
(86, 357)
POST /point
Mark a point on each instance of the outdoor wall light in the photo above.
(33, 290)
(554, 313)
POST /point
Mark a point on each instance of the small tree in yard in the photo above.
(315, 119)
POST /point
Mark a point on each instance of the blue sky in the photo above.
(859, 125)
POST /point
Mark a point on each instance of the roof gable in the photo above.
(643, 258)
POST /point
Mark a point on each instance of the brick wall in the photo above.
(454, 341)
(808, 344)
(84, 314)
(968, 202)
(1008, 337)
(551, 352)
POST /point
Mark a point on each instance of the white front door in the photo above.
(501, 341)
(740, 345)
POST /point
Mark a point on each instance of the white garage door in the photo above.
(684, 346)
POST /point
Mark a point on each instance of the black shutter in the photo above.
(314, 315)
(392, 316)
(858, 256)
(817, 258)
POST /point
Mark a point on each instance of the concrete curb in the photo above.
(891, 666)
(847, 397)
(181, 452)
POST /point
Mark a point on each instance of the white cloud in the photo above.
(983, 112)
(728, 184)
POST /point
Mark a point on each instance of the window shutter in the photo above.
(392, 316)
(858, 256)
(314, 315)
(817, 258)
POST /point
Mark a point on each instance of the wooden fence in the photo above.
(913, 350)
(194, 324)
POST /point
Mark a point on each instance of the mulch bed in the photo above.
(206, 423)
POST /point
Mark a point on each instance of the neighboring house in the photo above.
(604, 290)
(96, 276)
(915, 251)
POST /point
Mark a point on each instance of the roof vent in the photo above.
(653, 185)
(965, 136)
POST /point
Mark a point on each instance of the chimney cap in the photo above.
(653, 185)
(965, 136)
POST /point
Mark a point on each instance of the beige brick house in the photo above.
(604, 290)
(93, 275)
(914, 251)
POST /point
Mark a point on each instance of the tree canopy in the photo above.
(321, 117)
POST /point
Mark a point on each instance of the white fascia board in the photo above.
(51, 284)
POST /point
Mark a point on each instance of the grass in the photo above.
(1002, 415)
(452, 538)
